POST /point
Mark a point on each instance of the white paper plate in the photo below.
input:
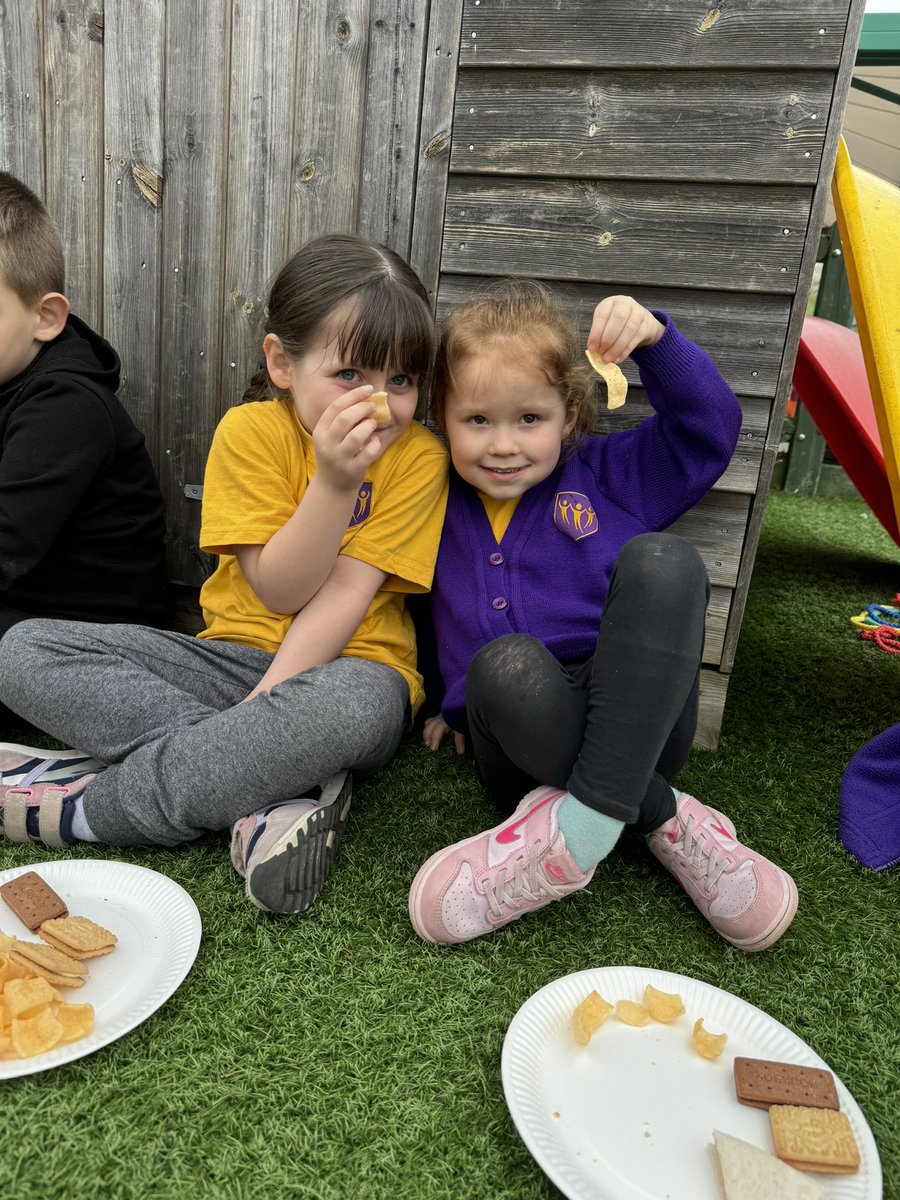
(158, 927)
(631, 1115)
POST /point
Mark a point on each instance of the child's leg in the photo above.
(620, 724)
(181, 765)
(642, 689)
(526, 715)
(349, 713)
(108, 689)
(597, 733)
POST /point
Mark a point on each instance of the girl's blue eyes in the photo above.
(349, 374)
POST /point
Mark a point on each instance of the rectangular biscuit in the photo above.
(814, 1139)
(32, 900)
(761, 1083)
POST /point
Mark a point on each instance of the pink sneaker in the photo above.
(37, 788)
(746, 898)
(482, 883)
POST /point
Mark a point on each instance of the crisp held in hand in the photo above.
(616, 383)
(382, 409)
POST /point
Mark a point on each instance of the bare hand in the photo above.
(436, 729)
(619, 326)
(345, 441)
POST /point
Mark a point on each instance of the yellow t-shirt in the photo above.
(259, 465)
(499, 513)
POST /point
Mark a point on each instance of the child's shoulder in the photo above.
(418, 441)
(76, 363)
(422, 436)
(259, 416)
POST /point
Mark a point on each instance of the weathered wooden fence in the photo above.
(678, 152)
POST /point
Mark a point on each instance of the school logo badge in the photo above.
(363, 505)
(574, 514)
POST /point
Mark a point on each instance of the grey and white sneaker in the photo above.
(21, 766)
(284, 851)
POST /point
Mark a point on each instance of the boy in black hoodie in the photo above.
(81, 514)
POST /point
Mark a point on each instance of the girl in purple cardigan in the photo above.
(569, 628)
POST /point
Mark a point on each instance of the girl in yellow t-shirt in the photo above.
(323, 521)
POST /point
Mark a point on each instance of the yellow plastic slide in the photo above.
(868, 214)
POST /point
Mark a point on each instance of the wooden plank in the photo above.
(716, 622)
(22, 94)
(330, 94)
(73, 105)
(742, 332)
(713, 690)
(193, 224)
(698, 125)
(134, 36)
(654, 33)
(260, 170)
(442, 47)
(795, 325)
(394, 79)
(716, 527)
(703, 235)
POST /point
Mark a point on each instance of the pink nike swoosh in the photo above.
(507, 835)
(724, 832)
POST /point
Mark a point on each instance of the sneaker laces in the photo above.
(697, 845)
(525, 885)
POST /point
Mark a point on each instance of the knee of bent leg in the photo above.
(504, 662)
(15, 655)
(663, 560)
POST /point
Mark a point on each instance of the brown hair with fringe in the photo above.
(388, 318)
(513, 314)
(32, 262)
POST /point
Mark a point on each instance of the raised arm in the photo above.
(293, 565)
(663, 467)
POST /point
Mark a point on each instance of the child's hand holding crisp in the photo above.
(619, 326)
(345, 440)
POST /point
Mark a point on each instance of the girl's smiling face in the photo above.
(505, 424)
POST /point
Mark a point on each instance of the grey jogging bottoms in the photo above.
(163, 710)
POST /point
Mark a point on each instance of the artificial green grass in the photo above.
(336, 1056)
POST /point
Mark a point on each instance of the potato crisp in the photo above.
(33, 1015)
(616, 383)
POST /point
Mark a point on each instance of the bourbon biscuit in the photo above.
(32, 900)
(761, 1083)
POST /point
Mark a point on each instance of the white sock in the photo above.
(80, 828)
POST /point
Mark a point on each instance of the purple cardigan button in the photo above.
(499, 603)
(496, 558)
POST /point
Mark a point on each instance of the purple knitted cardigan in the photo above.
(550, 573)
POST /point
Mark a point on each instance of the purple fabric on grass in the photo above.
(870, 802)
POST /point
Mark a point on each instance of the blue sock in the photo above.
(590, 835)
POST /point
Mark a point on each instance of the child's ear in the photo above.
(53, 310)
(277, 362)
(571, 419)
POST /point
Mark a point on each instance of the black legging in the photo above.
(615, 728)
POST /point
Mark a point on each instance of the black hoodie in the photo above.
(81, 514)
